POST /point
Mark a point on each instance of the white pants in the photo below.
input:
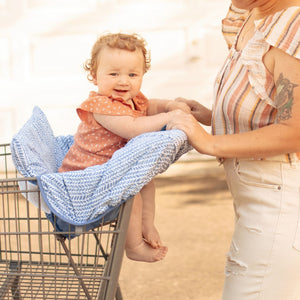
(263, 262)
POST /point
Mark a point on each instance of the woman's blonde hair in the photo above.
(130, 42)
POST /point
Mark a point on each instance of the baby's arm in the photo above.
(157, 106)
(129, 127)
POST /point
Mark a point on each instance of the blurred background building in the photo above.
(44, 43)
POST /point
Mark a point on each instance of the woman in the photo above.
(256, 135)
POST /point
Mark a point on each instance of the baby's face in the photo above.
(119, 73)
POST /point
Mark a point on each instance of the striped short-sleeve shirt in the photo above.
(244, 89)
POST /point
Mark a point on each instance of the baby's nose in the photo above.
(123, 80)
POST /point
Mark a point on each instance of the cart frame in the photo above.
(38, 262)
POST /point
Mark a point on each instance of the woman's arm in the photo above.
(280, 138)
(129, 127)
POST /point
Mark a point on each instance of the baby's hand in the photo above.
(200, 112)
(173, 105)
(192, 104)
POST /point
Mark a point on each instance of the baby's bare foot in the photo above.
(151, 236)
(146, 253)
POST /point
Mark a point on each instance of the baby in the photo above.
(117, 112)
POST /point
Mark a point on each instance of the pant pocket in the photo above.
(296, 243)
(260, 174)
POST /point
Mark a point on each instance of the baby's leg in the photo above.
(150, 232)
(136, 248)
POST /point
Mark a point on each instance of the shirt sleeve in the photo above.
(232, 23)
(141, 104)
(281, 30)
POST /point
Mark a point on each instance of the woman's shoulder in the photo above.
(232, 23)
(281, 30)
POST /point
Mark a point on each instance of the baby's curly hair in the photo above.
(129, 42)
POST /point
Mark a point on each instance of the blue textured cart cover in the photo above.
(85, 196)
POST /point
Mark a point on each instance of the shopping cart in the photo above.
(38, 262)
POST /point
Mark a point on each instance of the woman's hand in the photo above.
(200, 112)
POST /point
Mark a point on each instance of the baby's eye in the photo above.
(132, 75)
(113, 74)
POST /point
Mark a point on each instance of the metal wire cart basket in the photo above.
(37, 262)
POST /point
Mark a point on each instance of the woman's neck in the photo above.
(272, 6)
